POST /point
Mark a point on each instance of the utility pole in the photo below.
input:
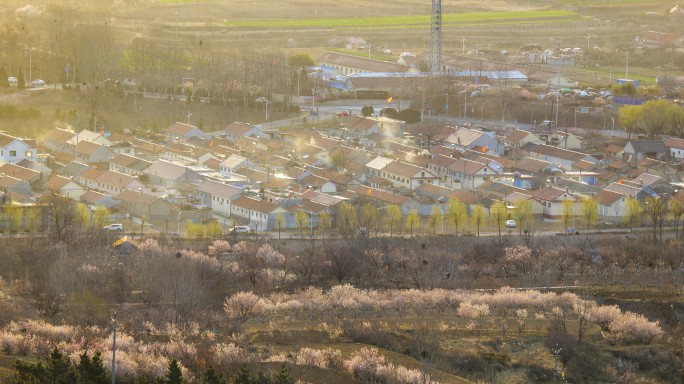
(555, 363)
(114, 351)
(558, 83)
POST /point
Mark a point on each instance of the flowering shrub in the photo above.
(270, 255)
(604, 315)
(9, 342)
(225, 354)
(632, 328)
(242, 306)
(473, 311)
(219, 248)
(364, 364)
(369, 366)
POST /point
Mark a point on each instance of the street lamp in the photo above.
(266, 102)
(30, 64)
(442, 220)
(178, 228)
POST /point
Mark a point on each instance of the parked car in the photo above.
(241, 229)
(510, 223)
(605, 223)
(342, 114)
(38, 83)
(12, 80)
(115, 227)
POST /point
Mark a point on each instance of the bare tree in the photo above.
(61, 216)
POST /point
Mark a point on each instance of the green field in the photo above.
(474, 18)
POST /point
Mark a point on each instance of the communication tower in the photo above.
(436, 37)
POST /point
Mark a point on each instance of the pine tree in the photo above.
(243, 376)
(174, 375)
(21, 82)
(91, 370)
(4, 82)
(28, 373)
(58, 368)
(283, 376)
(211, 377)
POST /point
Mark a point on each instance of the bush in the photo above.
(243, 305)
(632, 328)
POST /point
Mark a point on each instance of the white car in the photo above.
(38, 83)
(12, 80)
(241, 229)
(115, 227)
(510, 223)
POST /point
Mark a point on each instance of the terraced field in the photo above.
(474, 18)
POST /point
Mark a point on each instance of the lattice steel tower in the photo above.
(436, 37)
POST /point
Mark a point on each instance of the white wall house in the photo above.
(611, 206)
(676, 147)
(406, 175)
(552, 201)
(260, 214)
(218, 196)
(14, 150)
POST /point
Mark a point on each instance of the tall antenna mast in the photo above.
(436, 37)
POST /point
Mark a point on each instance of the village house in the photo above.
(236, 131)
(98, 199)
(564, 140)
(234, 162)
(560, 157)
(471, 174)
(129, 165)
(178, 152)
(358, 127)
(28, 175)
(64, 186)
(147, 207)
(552, 201)
(611, 206)
(261, 215)
(123, 148)
(183, 132)
(636, 151)
(463, 139)
(14, 150)
(148, 150)
(12, 185)
(44, 170)
(57, 139)
(89, 136)
(169, 175)
(218, 196)
(518, 138)
(382, 198)
(375, 166)
(347, 64)
(404, 175)
(113, 183)
(676, 147)
(89, 152)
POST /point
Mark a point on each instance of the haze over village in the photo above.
(336, 192)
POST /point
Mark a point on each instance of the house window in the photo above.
(13, 153)
(28, 154)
